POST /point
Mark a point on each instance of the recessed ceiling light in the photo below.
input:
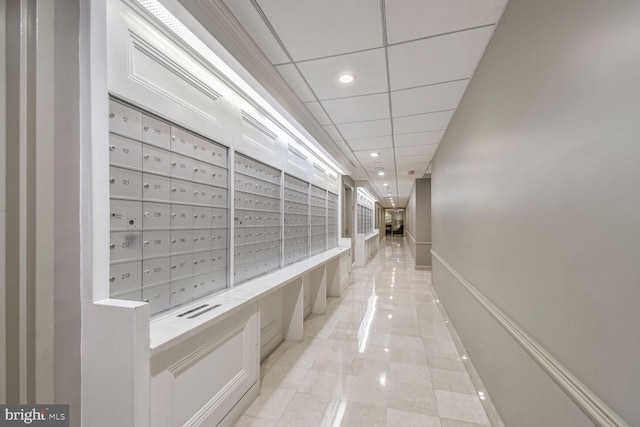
(380, 173)
(388, 194)
(385, 184)
(346, 78)
(374, 154)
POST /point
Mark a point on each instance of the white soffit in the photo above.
(437, 59)
(422, 122)
(314, 29)
(369, 68)
(297, 83)
(413, 19)
(420, 138)
(358, 108)
(247, 15)
(427, 99)
(365, 129)
(318, 113)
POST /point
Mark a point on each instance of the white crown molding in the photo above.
(218, 20)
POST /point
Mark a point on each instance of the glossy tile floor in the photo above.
(381, 356)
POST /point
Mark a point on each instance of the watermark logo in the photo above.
(34, 415)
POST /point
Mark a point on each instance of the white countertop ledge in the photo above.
(168, 330)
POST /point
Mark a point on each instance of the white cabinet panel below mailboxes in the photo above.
(168, 210)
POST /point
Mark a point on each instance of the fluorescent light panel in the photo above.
(172, 23)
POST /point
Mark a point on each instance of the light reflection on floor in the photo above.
(381, 356)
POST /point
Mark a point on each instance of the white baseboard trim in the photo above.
(587, 401)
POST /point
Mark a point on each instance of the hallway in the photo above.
(382, 355)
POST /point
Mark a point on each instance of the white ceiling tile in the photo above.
(420, 138)
(437, 59)
(333, 132)
(370, 143)
(368, 67)
(297, 83)
(249, 18)
(427, 99)
(365, 129)
(377, 164)
(359, 108)
(384, 154)
(318, 113)
(314, 29)
(416, 150)
(389, 173)
(412, 19)
(352, 158)
(422, 122)
(412, 160)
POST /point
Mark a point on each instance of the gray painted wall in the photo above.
(418, 223)
(535, 204)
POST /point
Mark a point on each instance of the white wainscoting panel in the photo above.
(200, 381)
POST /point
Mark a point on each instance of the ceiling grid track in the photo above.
(385, 43)
(275, 35)
(431, 49)
(386, 61)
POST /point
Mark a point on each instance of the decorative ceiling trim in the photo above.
(216, 17)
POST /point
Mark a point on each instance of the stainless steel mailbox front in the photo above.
(168, 210)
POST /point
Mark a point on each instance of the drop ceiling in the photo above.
(412, 61)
